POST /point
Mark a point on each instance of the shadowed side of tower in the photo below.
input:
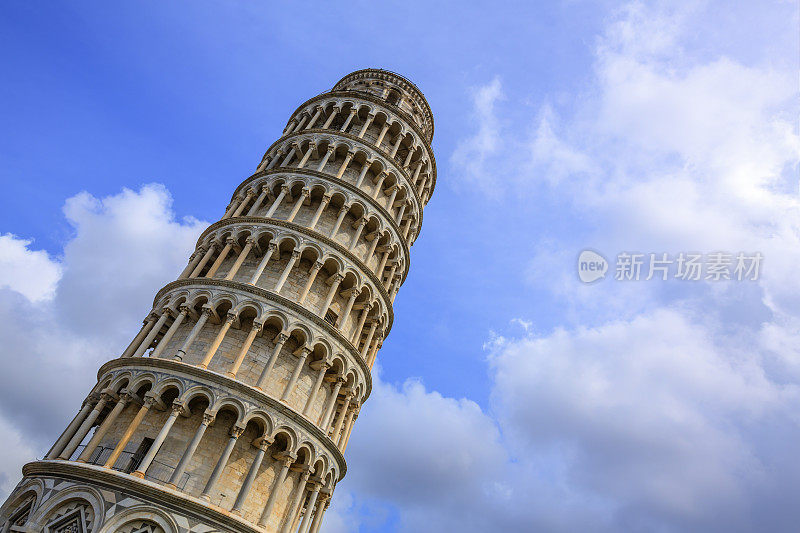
(232, 408)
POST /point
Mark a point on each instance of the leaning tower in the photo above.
(231, 409)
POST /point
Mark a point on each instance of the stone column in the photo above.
(347, 159)
(229, 243)
(285, 274)
(212, 350)
(390, 277)
(324, 161)
(349, 431)
(340, 416)
(275, 158)
(369, 339)
(187, 455)
(254, 330)
(132, 427)
(351, 411)
(364, 169)
(87, 424)
(193, 260)
(101, 431)
(342, 212)
(246, 200)
(312, 275)
(323, 203)
(382, 264)
(357, 235)
(370, 118)
(278, 200)
(280, 477)
(371, 249)
(314, 118)
(251, 476)
(312, 148)
(321, 507)
(323, 366)
(235, 433)
(324, 420)
(148, 340)
(147, 325)
(392, 196)
(361, 321)
(378, 181)
(206, 258)
(337, 279)
(374, 351)
(292, 509)
(279, 342)
(306, 523)
(231, 208)
(303, 120)
(65, 437)
(204, 314)
(257, 204)
(289, 156)
(382, 134)
(162, 435)
(400, 213)
(408, 157)
(396, 145)
(340, 322)
(334, 111)
(353, 112)
(304, 194)
(263, 264)
(301, 361)
(249, 243)
(158, 350)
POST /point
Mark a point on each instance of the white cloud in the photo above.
(60, 320)
(472, 153)
(29, 272)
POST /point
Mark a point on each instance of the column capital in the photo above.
(317, 265)
(305, 192)
(109, 396)
(296, 253)
(208, 418)
(250, 193)
(286, 458)
(326, 197)
(285, 188)
(179, 408)
(280, 338)
(92, 399)
(236, 431)
(251, 241)
(231, 317)
(230, 240)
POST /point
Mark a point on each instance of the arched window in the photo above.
(75, 516)
(20, 516)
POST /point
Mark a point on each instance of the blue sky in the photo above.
(510, 395)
